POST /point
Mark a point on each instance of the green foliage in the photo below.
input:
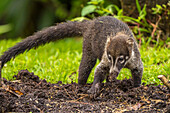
(88, 9)
(56, 62)
(161, 9)
(28, 16)
(5, 28)
(145, 31)
(96, 8)
(138, 6)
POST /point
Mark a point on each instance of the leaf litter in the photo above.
(30, 94)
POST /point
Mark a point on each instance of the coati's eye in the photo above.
(110, 57)
(121, 59)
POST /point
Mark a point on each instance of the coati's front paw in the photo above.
(137, 82)
(94, 90)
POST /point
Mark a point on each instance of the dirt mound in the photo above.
(30, 94)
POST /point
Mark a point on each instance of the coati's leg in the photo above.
(100, 74)
(137, 75)
(87, 63)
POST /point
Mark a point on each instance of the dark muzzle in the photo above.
(113, 76)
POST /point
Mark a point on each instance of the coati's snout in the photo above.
(116, 65)
(119, 51)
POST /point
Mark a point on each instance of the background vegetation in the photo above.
(24, 17)
(54, 62)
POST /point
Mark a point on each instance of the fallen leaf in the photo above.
(136, 106)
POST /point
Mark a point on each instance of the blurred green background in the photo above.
(20, 18)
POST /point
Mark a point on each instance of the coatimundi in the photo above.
(105, 38)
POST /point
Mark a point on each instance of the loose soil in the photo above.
(30, 94)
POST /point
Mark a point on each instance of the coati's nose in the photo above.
(114, 71)
(113, 75)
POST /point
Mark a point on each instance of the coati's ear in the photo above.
(108, 40)
(130, 42)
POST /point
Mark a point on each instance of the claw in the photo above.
(94, 90)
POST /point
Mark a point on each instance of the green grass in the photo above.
(59, 61)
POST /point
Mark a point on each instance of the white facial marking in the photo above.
(114, 68)
(132, 53)
(131, 58)
(111, 69)
(126, 57)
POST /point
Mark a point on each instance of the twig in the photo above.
(8, 89)
(155, 26)
(73, 90)
(38, 84)
(68, 94)
(38, 109)
(77, 102)
(164, 80)
(86, 95)
(158, 36)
